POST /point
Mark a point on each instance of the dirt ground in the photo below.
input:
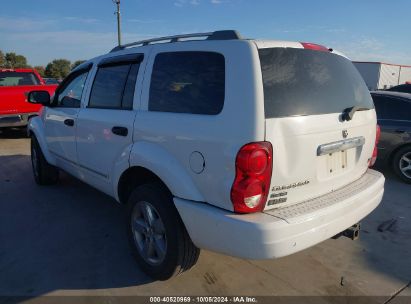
(69, 239)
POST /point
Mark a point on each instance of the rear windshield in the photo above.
(11, 78)
(306, 82)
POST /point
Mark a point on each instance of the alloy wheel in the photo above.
(405, 165)
(149, 233)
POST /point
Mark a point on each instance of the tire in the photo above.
(44, 173)
(400, 161)
(158, 238)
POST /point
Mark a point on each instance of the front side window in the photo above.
(188, 82)
(69, 95)
(113, 87)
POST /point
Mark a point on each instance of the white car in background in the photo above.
(255, 149)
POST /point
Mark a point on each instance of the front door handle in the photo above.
(121, 131)
(69, 122)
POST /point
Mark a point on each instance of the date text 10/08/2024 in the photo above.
(206, 299)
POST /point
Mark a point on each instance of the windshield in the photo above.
(12, 78)
(306, 82)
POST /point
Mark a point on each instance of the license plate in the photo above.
(336, 162)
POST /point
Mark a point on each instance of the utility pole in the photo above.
(117, 2)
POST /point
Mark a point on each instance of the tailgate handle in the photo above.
(340, 145)
(69, 122)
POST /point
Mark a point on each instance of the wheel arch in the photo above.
(155, 162)
(35, 128)
(133, 177)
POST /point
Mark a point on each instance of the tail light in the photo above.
(253, 176)
(315, 47)
(375, 152)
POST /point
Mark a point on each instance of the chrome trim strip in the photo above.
(340, 145)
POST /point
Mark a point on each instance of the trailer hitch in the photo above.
(352, 233)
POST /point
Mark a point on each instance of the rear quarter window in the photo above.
(188, 82)
(305, 82)
(392, 108)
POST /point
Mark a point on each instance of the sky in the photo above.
(365, 30)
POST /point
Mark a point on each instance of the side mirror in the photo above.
(39, 97)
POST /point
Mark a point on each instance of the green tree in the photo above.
(2, 59)
(41, 70)
(16, 61)
(58, 68)
(77, 63)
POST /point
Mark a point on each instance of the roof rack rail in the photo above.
(217, 35)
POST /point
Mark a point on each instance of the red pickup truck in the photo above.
(15, 84)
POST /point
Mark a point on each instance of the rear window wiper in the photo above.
(348, 113)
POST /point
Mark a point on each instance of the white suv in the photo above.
(255, 149)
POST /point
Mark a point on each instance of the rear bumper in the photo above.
(15, 120)
(283, 231)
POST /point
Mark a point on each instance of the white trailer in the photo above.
(381, 76)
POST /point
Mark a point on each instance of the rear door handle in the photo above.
(69, 122)
(121, 131)
(399, 131)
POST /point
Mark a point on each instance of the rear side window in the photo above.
(305, 82)
(113, 86)
(388, 107)
(188, 82)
